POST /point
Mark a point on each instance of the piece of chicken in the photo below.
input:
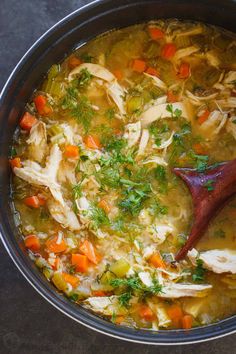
(38, 142)
(218, 261)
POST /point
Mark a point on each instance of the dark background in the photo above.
(28, 324)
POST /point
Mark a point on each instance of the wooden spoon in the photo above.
(210, 191)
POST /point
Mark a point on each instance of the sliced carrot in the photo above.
(203, 117)
(92, 142)
(146, 313)
(168, 51)
(152, 71)
(52, 245)
(32, 202)
(16, 162)
(71, 279)
(74, 61)
(157, 261)
(187, 321)
(32, 243)
(175, 313)
(139, 65)
(99, 293)
(80, 262)
(119, 319)
(104, 205)
(71, 151)
(89, 251)
(118, 74)
(155, 33)
(27, 121)
(42, 105)
(198, 148)
(172, 97)
(184, 71)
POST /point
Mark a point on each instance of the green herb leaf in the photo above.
(199, 272)
(209, 185)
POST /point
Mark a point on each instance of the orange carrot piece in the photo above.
(118, 74)
(146, 313)
(198, 148)
(152, 71)
(104, 205)
(203, 117)
(88, 250)
(168, 51)
(99, 293)
(27, 121)
(171, 97)
(187, 321)
(74, 61)
(139, 65)
(155, 33)
(32, 202)
(71, 279)
(184, 71)
(16, 162)
(175, 313)
(53, 246)
(42, 105)
(92, 142)
(32, 243)
(71, 151)
(80, 262)
(157, 261)
(119, 319)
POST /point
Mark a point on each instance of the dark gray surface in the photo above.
(28, 324)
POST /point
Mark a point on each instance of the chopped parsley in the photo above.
(219, 233)
(134, 197)
(199, 271)
(84, 78)
(78, 106)
(110, 113)
(98, 217)
(134, 286)
(175, 114)
(160, 175)
(86, 58)
(209, 185)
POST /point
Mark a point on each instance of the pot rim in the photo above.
(163, 337)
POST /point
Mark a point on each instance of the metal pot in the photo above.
(73, 31)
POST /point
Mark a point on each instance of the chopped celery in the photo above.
(107, 277)
(55, 130)
(53, 71)
(59, 281)
(47, 272)
(134, 104)
(120, 268)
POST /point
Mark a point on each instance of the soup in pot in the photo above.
(99, 209)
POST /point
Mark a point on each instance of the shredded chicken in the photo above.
(160, 111)
(177, 290)
(38, 142)
(218, 261)
(132, 133)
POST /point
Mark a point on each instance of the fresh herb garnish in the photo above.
(110, 113)
(86, 58)
(175, 114)
(134, 198)
(209, 185)
(199, 271)
(77, 191)
(98, 217)
(160, 175)
(78, 106)
(134, 286)
(219, 233)
(84, 78)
